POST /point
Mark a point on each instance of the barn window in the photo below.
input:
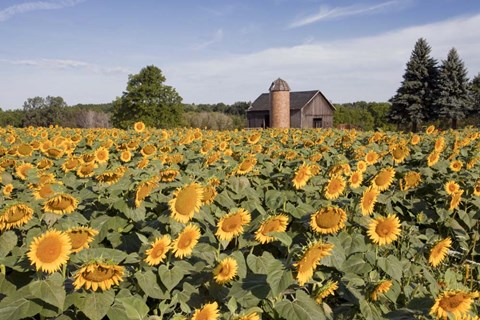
(317, 123)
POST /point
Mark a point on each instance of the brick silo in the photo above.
(279, 104)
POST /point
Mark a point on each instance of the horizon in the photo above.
(216, 52)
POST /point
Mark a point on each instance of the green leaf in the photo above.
(8, 241)
(148, 282)
(304, 307)
(135, 307)
(50, 290)
(259, 264)
(274, 199)
(368, 310)
(278, 278)
(391, 266)
(18, 308)
(6, 287)
(170, 277)
(356, 264)
(283, 237)
(95, 305)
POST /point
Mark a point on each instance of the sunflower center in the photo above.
(271, 226)
(383, 229)
(246, 165)
(49, 249)
(78, 238)
(383, 178)
(186, 200)
(355, 178)
(185, 241)
(232, 223)
(327, 219)
(368, 199)
(334, 186)
(158, 251)
(61, 203)
(99, 274)
(225, 270)
(16, 214)
(45, 191)
(451, 303)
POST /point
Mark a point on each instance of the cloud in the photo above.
(368, 68)
(327, 13)
(217, 37)
(9, 12)
(66, 64)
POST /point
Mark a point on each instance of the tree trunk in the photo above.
(454, 123)
(414, 126)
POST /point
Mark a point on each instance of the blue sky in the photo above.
(224, 50)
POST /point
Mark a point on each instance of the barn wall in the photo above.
(317, 108)
(296, 119)
(255, 119)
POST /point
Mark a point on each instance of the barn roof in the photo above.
(298, 99)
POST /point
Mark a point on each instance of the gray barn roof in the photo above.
(298, 100)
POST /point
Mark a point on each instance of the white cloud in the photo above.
(217, 37)
(327, 13)
(9, 12)
(368, 68)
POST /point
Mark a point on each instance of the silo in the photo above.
(279, 104)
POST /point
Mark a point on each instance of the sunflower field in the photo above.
(240, 225)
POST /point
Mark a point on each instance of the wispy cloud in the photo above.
(66, 64)
(217, 37)
(328, 13)
(9, 12)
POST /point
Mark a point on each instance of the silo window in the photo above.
(317, 123)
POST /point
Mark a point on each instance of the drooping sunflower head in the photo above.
(186, 202)
(439, 144)
(246, 165)
(49, 251)
(411, 180)
(399, 153)
(158, 250)
(168, 175)
(476, 188)
(439, 252)
(310, 260)
(232, 224)
(15, 216)
(208, 312)
(24, 170)
(369, 198)
(276, 223)
(383, 287)
(452, 303)
(225, 271)
(80, 237)
(456, 199)
(70, 164)
(326, 290)
(254, 138)
(302, 175)
(94, 275)
(384, 230)
(328, 220)
(335, 187)
(383, 179)
(85, 170)
(183, 245)
(143, 190)
(61, 204)
(433, 158)
(44, 164)
(139, 126)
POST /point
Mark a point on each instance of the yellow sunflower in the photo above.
(246, 165)
(61, 204)
(94, 275)
(125, 156)
(183, 245)
(411, 180)
(380, 288)
(335, 187)
(384, 230)
(456, 165)
(209, 194)
(15, 216)
(369, 198)
(455, 201)
(148, 150)
(399, 153)
(250, 316)
(439, 144)
(383, 179)
(231, 225)
(85, 170)
(452, 303)
(356, 179)
(310, 260)
(49, 251)
(430, 129)
(158, 251)
(7, 189)
(362, 166)
(225, 271)
(415, 139)
(44, 191)
(254, 138)
(439, 251)
(433, 158)
(208, 312)
(371, 157)
(70, 164)
(143, 190)
(328, 220)
(277, 223)
(80, 237)
(186, 202)
(476, 188)
(168, 175)
(23, 169)
(302, 175)
(451, 187)
(139, 126)
(24, 150)
(102, 155)
(327, 290)
(111, 177)
(44, 164)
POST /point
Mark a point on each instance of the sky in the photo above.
(215, 51)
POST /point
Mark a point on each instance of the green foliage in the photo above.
(149, 100)
(363, 115)
(42, 112)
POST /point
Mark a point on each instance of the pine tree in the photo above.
(413, 101)
(475, 92)
(453, 98)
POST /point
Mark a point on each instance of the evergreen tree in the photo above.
(147, 99)
(475, 93)
(413, 102)
(453, 98)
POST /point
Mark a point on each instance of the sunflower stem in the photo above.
(3, 269)
(64, 271)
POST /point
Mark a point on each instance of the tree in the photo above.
(475, 92)
(453, 98)
(413, 101)
(42, 112)
(353, 115)
(147, 99)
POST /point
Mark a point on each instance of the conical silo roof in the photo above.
(279, 85)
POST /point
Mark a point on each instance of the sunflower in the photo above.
(54, 152)
(335, 187)
(23, 169)
(310, 259)
(415, 139)
(49, 251)
(158, 251)
(111, 177)
(384, 230)
(143, 190)
(430, 129)
(380, 288)
(139, 126)
(225, 271)
(451, 187)
(369, 198)
(254, 138)
(328, 220)
(246, 165)
(185, 242)
(70, 164)
(24, 150)
(94, 275)
(371, 157)
(302, 175)
(102, 155)
(250, 316)
(456, 303)
(327, 290)
(126, 156)
(383, 179)
(44, 164)
(43, 191)
(7, 189)
(439, 144)
(86, 170)
(411, 180)
(277, 223)
(186, 202)
(399, 153)
(362, 166)
(61, 204)
(209, 194)
(433, 158)
(80, 237)
(168, 175)
(15, 216)
(456, 165)
(356, 179)
(439, 251)
(231, 225)
(476, 188)
(208, 312)
(455, 201)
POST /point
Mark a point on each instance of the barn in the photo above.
(306, 109)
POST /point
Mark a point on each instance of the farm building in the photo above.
(281, 108)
